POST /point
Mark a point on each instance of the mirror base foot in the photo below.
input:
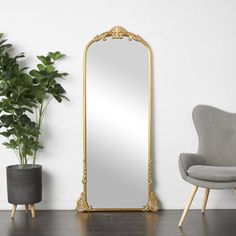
(152, 204)
(82, 204)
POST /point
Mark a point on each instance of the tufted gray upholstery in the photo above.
(216, 131)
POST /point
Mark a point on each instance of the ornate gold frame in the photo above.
(118, 32)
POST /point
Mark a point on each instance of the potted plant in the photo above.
(24, 98)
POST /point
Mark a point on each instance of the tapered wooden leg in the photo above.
(13, 212)
(191, 197)
(205, 200)
(32, 208)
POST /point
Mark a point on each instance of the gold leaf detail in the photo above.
(117, 32)
(82, 204)
(152, 204)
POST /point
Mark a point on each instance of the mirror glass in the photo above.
(117, 91)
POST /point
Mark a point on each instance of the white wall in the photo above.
(194, 47)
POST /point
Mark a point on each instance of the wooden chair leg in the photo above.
(13, 211)
(191, 197)
(32, 208)
(205, 200)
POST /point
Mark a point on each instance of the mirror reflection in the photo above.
(117, 90)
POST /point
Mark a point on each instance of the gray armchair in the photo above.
(214, 165)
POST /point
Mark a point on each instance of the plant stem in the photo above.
(45, 107)
(39, 120)
(40, 116)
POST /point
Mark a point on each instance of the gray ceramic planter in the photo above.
(24, 186)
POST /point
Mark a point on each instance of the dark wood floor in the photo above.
(163, 223)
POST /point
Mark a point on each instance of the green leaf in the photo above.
(58, 89)
(6, 144)
(7, 120)
(42, 59)
(20, 111)
(36, 74)
(6, 134)
(11, 144)
(20, 55)
(5, 46)
(50, 68)
(41, 67)
(24, 68)
(45, 60)
(62, 96)
(29, 152)
(27, 79)
(3, 41)
(56, 55)
(24, 118)
(58, 98)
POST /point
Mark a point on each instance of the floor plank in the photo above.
(162, 223)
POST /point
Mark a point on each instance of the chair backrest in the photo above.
(216, 134)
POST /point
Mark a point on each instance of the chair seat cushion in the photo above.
(213, 173)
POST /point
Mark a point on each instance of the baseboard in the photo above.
(197, 204)
(45, 205)
(167, 205)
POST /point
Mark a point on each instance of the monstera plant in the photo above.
(24, 98)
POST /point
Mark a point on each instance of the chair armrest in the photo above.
(187, 160)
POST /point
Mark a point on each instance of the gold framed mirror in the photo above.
(117, 135)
